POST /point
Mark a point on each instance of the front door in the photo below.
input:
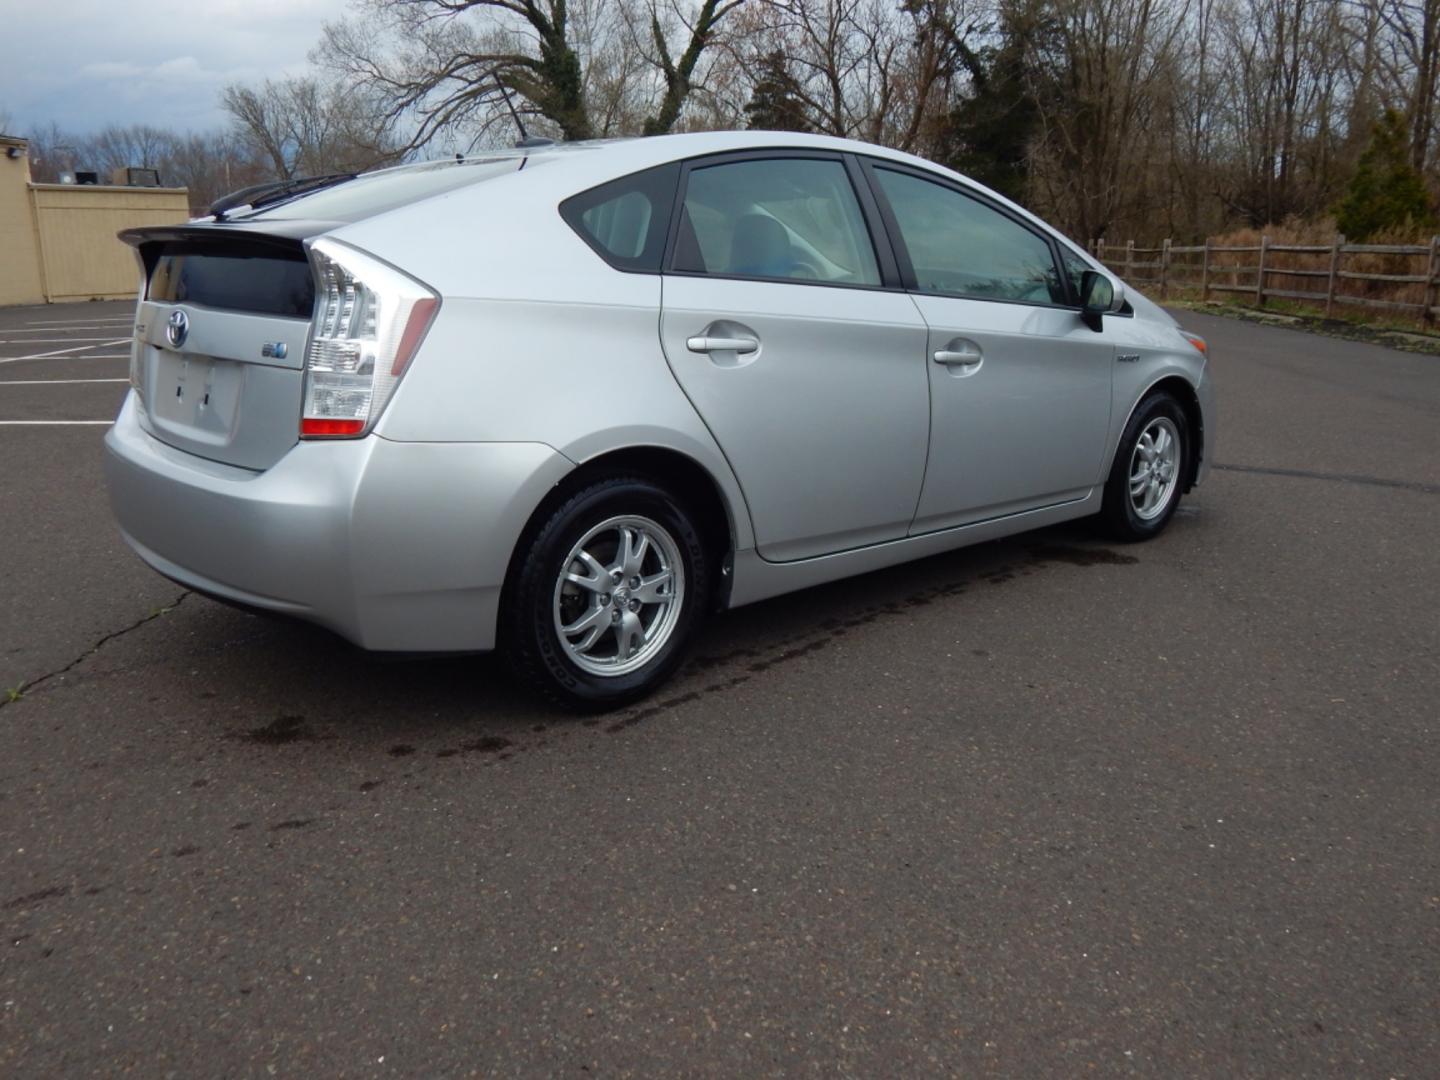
(1020, 387)
(810, 373)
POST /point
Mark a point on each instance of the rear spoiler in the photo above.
(152, 241)
(285, 234)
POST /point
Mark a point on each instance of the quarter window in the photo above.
(625, 220)
(795, 219)
(961, 247)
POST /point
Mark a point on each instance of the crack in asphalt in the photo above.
(1341, 478)
(20, 692)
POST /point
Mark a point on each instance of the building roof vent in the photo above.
(129, 176)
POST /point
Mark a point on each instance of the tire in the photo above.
(627, 639)
(1132, 512)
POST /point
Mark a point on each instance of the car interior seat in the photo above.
(760, 246)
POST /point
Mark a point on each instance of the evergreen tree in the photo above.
(776, 103)
(1386, 191)
(986, 134)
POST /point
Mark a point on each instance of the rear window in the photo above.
(625, 221)
(260, 280)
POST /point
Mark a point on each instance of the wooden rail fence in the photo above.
(1324, 271)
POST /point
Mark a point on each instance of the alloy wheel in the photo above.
(619, 595)
(1154, 468)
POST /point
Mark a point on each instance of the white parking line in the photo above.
(48, 341)
(62, 326)
(62, 352)
(54, 423)
(107, 320)
(54, 382)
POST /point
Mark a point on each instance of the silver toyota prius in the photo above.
(566, 400)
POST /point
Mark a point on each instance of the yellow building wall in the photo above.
(20, 281)
(80, 256)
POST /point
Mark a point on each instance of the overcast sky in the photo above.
(87, 63)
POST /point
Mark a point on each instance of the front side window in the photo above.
(961, 247)
(1075, 268)
(793, 219)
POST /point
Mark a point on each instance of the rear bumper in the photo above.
(394, 546)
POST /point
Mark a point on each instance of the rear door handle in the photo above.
(721, 344)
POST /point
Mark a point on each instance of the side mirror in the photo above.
(1100, 294)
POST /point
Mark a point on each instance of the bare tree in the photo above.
(207, 163)
(305, 127)
(868, 69)
(1104, 72)
(443, 66)
(1413, 28)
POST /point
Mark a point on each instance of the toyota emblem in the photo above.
(177, 329)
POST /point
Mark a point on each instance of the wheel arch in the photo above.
(674, 470)
(1183, 391)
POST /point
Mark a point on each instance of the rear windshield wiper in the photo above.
(260, 195)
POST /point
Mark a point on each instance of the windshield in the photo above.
(374, 193)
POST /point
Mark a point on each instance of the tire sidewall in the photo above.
(540, 567)
(1119, 511)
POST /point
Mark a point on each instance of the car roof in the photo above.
(566, 168)
(571, 167)
(618, 157)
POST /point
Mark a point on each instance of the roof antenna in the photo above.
(511, 106)
(525, 138)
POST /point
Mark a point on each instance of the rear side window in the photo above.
(959, 246)
(625, 220)
(790, 218)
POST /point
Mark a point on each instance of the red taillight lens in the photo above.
(1197, 341)
(311, 426)
(420, 315)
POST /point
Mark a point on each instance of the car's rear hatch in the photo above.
(220, 337)
(231, 386)
(231, 383)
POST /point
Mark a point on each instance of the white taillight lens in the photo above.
(369, 320)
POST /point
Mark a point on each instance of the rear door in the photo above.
(787, 330)
(220, 346)
(1020, 387)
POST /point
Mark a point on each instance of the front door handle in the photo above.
(965, 356)
(721, 344)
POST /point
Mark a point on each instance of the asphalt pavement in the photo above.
(1043, 807)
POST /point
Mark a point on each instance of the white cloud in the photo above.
(84, 64)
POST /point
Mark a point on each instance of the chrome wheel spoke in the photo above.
(592, 636)
(654, 589)
(633, 547)
(598, 580)
(593, 584)
(629, 635)
(597, 619)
